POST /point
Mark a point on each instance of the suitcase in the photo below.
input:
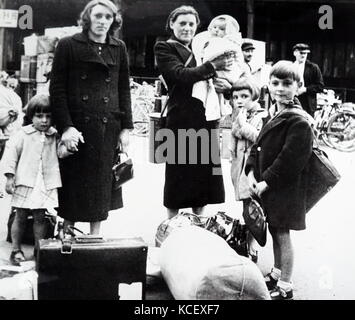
(89, 268)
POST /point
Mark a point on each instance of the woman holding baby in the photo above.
(197, 181)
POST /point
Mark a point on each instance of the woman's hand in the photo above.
(123, 140)
(242, 116)
(252, 181)
(221, 85)
(10, 184)
(223, 62)
(71, 138)
(260, 188)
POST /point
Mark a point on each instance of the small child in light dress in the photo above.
(32, 171)
(222, 37)
(247, 122)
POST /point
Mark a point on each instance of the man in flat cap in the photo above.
(311, 78)
(248, 51)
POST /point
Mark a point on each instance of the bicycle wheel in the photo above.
(341, 131)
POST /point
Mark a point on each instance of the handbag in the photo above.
(255, 220)
(322, 174)
(122, 170)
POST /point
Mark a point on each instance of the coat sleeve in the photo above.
(317, 83)
(124, 90)
(173, 69)
(251, 161)
(293, 156)
(58, 86)
(12, 153)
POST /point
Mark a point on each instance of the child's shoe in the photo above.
(16, 257)
(280, 294)
(270, 281)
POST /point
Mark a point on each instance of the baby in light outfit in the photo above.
(222, 37)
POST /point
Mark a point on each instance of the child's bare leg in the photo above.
(39, 225)
(283, 252)
(18, 227)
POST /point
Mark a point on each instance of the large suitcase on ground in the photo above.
(88, 268)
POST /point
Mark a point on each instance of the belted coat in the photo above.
(90, 92)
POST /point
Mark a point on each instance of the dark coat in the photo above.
(188, 185)
(92, 94)
(280, 158)
(313, 81)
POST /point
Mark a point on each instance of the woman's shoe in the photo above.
(16, 257)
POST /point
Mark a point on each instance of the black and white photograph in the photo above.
(175, 154)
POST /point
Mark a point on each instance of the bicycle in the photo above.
(335, 123)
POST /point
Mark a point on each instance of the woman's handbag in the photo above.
(122, 170)
(255, 220)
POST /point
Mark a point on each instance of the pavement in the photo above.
(324, 254)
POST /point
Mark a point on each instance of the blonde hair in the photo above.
(85, 21)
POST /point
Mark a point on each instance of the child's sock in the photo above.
(286, 286)
(275, 273)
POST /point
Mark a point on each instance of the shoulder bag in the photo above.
(164, 109)
(322, 174)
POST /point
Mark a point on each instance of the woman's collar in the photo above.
(180, 42)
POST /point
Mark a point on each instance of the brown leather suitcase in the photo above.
(89, 268)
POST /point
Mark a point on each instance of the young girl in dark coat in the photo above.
(277, 170)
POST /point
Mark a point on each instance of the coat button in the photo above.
(84, 76)
(85, 97)
(104, 120)
(258, 149)
(108, 79)
(106, 99)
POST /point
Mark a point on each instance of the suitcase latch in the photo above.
(66, 247)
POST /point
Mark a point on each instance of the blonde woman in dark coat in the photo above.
(92, 109)
(277, 170)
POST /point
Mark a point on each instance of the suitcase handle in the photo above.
(66, 246)
(71, 230)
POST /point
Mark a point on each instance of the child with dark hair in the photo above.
(247, 120)
(32, 172)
